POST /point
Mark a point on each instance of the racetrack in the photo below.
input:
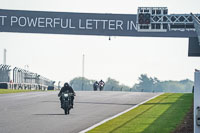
(40, 112)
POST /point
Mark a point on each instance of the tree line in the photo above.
(146, 84)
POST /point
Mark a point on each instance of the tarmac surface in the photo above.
(40, 112)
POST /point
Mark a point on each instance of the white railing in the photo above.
(23, 86)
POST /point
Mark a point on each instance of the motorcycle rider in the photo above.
(69, 89)
(101, 85)
(95, 86)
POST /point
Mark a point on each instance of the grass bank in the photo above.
(160, 115)
(6, 91)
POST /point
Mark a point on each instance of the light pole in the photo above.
(59, 85)
(4, 57)
(83, 61)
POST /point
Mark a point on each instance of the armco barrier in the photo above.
(24, 86)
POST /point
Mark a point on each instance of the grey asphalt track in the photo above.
(40, 112)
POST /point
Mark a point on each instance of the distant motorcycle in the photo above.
(66, 103)
(96, 86)
(101, 85)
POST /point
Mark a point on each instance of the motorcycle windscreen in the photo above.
(194, 47)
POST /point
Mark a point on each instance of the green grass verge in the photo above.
(160, 115)
(6, 91)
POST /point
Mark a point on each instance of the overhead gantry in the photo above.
(148, 22)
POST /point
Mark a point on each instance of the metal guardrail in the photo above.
(24, 86)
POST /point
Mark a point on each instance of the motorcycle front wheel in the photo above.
(66, 111)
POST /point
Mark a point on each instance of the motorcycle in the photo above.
(101, 85)
(66, 103)
(95, 86)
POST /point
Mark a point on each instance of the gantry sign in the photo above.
(148, 22)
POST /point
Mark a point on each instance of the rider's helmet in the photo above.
(66, 84)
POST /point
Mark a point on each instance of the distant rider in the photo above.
(95, 86)
(69, 89)
(101, 85)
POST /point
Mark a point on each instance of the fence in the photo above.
(24, 86)
(23, 79)
(4, 73)
(24, 76)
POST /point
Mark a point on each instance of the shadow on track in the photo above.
(48, 114)
(106, 103)
(50, 101)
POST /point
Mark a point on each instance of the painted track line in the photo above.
(112, 117)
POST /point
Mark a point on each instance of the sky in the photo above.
(59, 57)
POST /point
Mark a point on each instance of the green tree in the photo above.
(78, 82)
(111, 85)
(145, 83)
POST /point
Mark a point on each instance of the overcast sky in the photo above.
(59, 57)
